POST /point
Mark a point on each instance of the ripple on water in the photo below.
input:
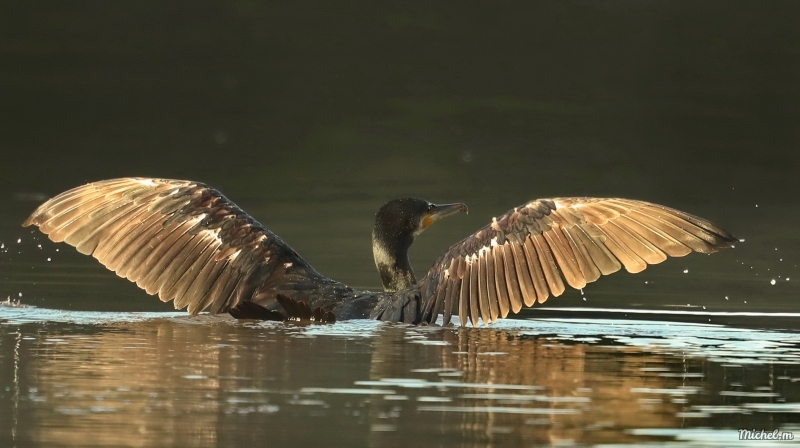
(419, 383)
(342, 390)
(498, 410)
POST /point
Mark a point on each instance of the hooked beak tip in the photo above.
(446, 210)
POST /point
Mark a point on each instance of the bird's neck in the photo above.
(391, 259)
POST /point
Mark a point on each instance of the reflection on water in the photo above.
(143, 379)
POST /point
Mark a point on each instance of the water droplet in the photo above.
(787, 279)
(726, 297)
(685, 271)
(19, 240)
(39, 246)
(48, 259)
(20, 294)
(704, 307)
(772, 282)
(741, 240)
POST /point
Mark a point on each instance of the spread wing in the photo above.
(530, 253)
(182, 240)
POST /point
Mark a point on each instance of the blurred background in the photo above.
(311, 114)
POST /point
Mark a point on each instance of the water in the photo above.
(164, 379)
(310, 117)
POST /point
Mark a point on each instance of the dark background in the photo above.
(310, 115)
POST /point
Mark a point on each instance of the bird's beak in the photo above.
(443, 211)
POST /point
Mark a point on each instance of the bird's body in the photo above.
(186, 242)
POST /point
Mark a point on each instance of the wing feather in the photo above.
(535, 270)
(491, 287)
(564, 257)
(660, 239)
(226, 292)
(581, 256)
(500, 281)
(615, 244)
(190, 269)
(137, 235)
(680, 233)
(179, 239)
(475, 310)
(78, 207)
(523, 274)
(223, 283)
(453, 289)
(441, 294)
(147, 259)
(486, 312)
(139, 248)
(514, 294)
(197, 295)
(548, 265)
(162, 275)
(594, 243)
(527, 254)
(637, 244)
(463, 298)
(95, 242)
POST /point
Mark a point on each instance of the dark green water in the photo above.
(310, 115)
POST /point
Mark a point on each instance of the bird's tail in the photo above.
(402, 306)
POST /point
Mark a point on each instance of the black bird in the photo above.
(187, 242)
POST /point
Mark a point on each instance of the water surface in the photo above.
(143, 379)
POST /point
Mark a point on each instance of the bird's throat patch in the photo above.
(426, 221)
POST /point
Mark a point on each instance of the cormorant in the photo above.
(187, 242)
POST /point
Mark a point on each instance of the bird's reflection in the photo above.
(209, 382)
(579, 391)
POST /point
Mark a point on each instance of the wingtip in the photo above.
(726, 240)
(33, 219)
(252, 310)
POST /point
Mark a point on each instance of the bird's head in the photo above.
(396, 225)
(406, 218)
